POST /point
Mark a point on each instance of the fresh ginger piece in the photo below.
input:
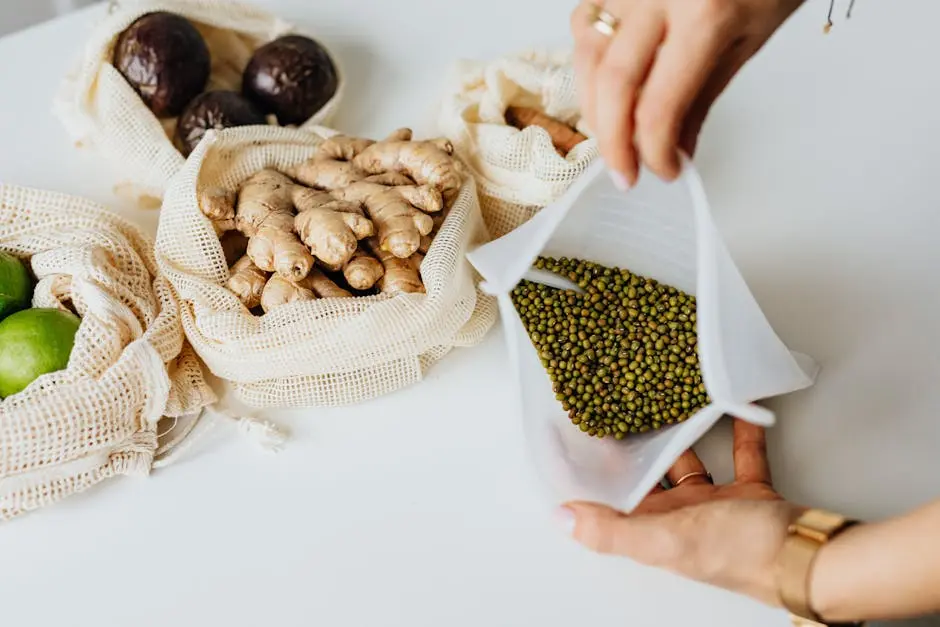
(342, 147)
(280, 291)
(392, 179)
(424, 197)
(363, 270)
(275, 247)
(401, 275)
(216, 203)
(265, 213)
(323, 286)
(221, 227)
(399, 135)
(247, 282)
(426, 162)
(564, 137)
(331, 228)
(346, 148)
(266, 192)
(325, 173)
(399, 225)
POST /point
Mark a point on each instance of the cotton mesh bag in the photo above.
(101, 111)
(129, 367)
(517, 171)
(664, 232)
(330, 351)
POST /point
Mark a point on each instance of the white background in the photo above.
(418, 509)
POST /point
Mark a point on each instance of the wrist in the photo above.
(827, 590)
(807, 581)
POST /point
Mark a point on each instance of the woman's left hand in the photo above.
(647, 83)
(728, 535)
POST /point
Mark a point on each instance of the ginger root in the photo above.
(427, 162)
(323, 286)
(265, 213)
(392, 179)
(342, 147)
(363, 270)
(264, 193)
(399, 225)
(216, 203)
(346, 148)
(331, 228)
(402, 134)
(368, 210)
(401, 275)
(280, 291)
(326, 174)
(221, 227)
(247, 282)
(564, 137)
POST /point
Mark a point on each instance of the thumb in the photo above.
(648, 539)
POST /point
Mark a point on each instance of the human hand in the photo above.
(728, 535)
(646, 89)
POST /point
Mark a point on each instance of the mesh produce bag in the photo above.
(101, 110)
(321, 352)
(664, 232)
(517, 172)
(129, 366)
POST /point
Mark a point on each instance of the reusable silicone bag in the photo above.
(664, 231)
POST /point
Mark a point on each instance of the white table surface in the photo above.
(418, 509)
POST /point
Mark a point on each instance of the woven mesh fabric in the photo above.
(128, 368)
(517, 172)
(101, 110)
(321, 352)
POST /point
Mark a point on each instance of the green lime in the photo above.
(16, 286)
(32, 343)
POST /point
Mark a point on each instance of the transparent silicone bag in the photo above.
(664, 231)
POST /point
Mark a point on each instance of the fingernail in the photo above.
(620, 181)
(565, 518)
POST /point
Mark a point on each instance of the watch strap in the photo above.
(805, 537)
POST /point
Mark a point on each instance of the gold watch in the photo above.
(805, 537)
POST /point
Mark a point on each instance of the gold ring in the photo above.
(690, 475)
(603, 21)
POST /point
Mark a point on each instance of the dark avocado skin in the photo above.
(291, 77)
(165, 60)
(217, 110)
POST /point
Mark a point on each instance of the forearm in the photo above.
(882, 570)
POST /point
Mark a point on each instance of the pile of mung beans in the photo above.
(622, 356)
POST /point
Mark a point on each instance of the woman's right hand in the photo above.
(645, 90)
(725, 535)
(731, 536)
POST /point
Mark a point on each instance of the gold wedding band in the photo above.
(690, 475)
(603, 21)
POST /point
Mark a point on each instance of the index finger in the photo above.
(750, 453)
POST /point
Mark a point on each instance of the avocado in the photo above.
(291, 77)
(216, 110)
(165, 60)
